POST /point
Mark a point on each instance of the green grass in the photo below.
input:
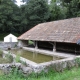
(8, 58)
(73, 74)
(5, 60)
(2, 60)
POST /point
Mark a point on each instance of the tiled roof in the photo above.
(67, 30)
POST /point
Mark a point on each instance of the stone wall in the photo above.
(6, 68)
(58, 65)
(6, 45)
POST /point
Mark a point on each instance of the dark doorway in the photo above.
(45, 45)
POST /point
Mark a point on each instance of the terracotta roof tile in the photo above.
(67, 30)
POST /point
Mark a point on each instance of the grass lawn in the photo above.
(73, 74)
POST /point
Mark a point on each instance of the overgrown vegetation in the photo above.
(14, 19)
(17, 58)
(68, 74)
(1, 52)
(73, 74)
(8, 58)
(2, 60)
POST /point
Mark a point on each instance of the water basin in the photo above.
(34, 56)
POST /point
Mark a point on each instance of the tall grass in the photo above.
(73, 74)
(66, 75)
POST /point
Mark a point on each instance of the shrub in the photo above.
(17, 59)
(9, 57)
(1, 52)
(77, 60)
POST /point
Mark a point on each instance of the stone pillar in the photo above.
(54, 47)
(36, 44)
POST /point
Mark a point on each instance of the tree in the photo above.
(14, 1)
(73, 7)
(37, 11)
(23, 22)
(25, 1)
(57, 10)
(9, 16)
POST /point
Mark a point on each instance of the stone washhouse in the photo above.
(56, 36)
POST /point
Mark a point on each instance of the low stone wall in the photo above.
(8, 67)
(6, 45)
(58, 65)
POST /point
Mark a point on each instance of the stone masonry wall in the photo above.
(9, 66)
(6, 45)
(58, 65)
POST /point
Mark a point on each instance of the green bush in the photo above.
(17, 59)
(2, 61)
(77, 60)
(9, 57)
(1, 52)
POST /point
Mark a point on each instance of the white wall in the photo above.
(10, 38)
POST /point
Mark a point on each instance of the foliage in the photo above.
(9, 57)
(61, 9)
(14, 19)
(17, 58)
(23, 21)
(2, 36)
(37, 11)
(20, 19)
(77, 60)
(1, 52)
(73, 8)
(3, 60)
(9, 16)
(73, 74)
(57, 11)
(30, 42)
